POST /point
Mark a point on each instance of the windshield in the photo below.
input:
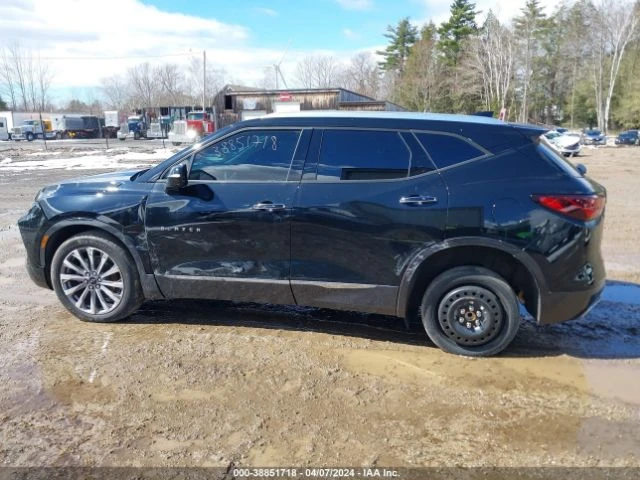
(196, 116)
(592, 132)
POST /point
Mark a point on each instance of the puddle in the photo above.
(622, 293)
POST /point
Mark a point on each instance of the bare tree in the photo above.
(317, 71)
(143, 84)
(195, 78)
(492, 57)
(614, 25)
(171, 80)
(7, 79)
(362, 75)
(26, 78)
(115, 91)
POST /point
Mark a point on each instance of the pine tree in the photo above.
(402, 38)
(461, 24)
(528, 26)
(3, 105)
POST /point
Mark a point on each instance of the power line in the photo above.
(122, 57)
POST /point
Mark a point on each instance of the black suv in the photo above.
(452, 219)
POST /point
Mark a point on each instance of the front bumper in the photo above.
(31, 225)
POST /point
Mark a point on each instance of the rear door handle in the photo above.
(269, 206)
(418, 200)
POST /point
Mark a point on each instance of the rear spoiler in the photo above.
(529, 131)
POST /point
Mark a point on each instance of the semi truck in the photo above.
(111, 124)
(135, 127)
(30, 130)
(76, 126)
(197, 125)
(159, 127)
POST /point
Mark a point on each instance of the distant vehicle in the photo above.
(197, 125)
(111, 124)
(629, 137)
(30, 130)
(567, 143)
(160, 127)
(135, 127)
(593, 137)
(76, 126)
(4, 129)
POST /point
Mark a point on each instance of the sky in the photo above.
(86, 40)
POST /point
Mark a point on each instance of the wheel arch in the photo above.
(65, 229)
(515, 266)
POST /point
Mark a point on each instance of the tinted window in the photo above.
(254, 155)
(362, 155)
(420, 162)
(446, 150)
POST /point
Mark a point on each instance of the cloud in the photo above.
(350, 34)
(84, 43)
(356, 4)
(266, 11)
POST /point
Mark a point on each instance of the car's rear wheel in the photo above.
(95, 278)
(470, 311)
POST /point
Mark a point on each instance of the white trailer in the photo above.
(8, 120)
(4, 129)
(111, 123)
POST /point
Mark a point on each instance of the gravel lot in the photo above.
(211, 384)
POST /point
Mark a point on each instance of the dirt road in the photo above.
(208, 384)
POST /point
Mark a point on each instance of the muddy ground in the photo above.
(210, 384)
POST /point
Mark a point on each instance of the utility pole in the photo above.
(204, 78)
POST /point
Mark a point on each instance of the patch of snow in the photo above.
(42, 154)
(91, 161)
(5, 161)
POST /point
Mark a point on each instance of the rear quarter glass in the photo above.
(556, 160)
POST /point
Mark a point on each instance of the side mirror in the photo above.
(177, 179)
(581, 168)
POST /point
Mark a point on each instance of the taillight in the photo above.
(580, 207)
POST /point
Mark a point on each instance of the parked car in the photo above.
(567, 143)
(629, 137)
(453, 220)
(593, 137)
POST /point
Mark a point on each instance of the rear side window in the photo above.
(447, 150)
(362, 155)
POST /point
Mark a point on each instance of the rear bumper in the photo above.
(559, 307)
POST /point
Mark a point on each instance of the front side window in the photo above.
(248, 156)
(362, 155)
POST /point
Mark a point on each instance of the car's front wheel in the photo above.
(95, 278)
(470, 311)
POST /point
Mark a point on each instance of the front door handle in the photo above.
(268, 206)
(417, 200)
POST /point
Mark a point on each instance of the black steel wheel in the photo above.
(95, 278)
(470, 311)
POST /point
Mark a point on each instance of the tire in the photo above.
(470, 291)
(84, 292)
(176, 144)
(136, 136)
(122, 139)
(29, 137)
(58, 135)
